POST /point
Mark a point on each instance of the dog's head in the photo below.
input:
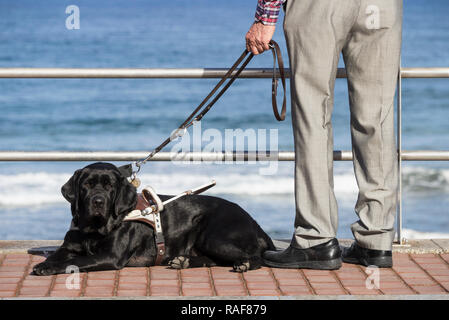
(100, 197)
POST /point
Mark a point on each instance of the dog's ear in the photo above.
(126, 170)
(70, 189)
(126, 197)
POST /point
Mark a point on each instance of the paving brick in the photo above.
(438, 272)
(264, 292)
(397, 291)
(423, 255)
(435, 289)
(15, 262)
(441, 278)
(101, 275)
(288, 275)
(131, 286)
(291, 282)
(98, 292)
(232, 281)
(164, 290)
(261, 285)
(164, 282)
(131, 293)
(230, 292)
(361, 291)
(325, 285)
(36, 283)
(410, 269)
(65, 293)
(134, 270)
(11, 274)
(351, 275)
(324, 279)
(329, 291)
(419, 281)
(155, 275)
(435, 266)
(354, 283)
(42, 291)
(197, 292)
(13, 268)
(195, 279)
(7, 294)
(445, 257)
(63, 286)
(133, 279)
(8, 286)
(445, 285)
(310, 272)
(195, 272)
(100, 282)
(200, 285)
(9, 280)
(392, 284)
(407, 275)
(295, 290)
(256, 278)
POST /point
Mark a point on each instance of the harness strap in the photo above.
(153, 219)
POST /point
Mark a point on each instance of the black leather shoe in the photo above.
(325, 256)
(367, 257)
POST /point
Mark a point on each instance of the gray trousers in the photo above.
(368, 33)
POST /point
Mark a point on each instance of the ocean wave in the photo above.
(413, 234)
(43, 188)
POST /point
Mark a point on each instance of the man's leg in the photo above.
(316, 32)
(372, 57)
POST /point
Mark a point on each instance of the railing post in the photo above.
(400, 239)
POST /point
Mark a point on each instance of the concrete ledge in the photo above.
(436, 246)
(41, 247)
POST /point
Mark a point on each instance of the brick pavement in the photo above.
(412, 274)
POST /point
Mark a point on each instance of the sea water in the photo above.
(137, 114)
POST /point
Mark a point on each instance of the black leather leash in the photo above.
(201, 110)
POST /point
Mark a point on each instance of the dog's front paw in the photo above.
(180, 262)
(241, 266)
(44, 269)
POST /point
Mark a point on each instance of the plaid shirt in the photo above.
(267, 11)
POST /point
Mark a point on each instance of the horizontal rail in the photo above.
(422, 155)
(172, 73)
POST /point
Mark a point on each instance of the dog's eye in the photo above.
(90, 183)
(107, 185)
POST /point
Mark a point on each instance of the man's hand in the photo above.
(258, 37)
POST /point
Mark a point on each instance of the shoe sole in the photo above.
(317, 265)
(380, 262)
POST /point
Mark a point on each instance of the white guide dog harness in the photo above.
(148, 209)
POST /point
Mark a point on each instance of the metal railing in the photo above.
(200, 73)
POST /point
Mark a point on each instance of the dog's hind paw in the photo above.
(241, 266)
(180, 262)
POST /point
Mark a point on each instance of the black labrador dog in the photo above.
(199, 230)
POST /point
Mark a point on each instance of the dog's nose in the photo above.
(98, 201)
